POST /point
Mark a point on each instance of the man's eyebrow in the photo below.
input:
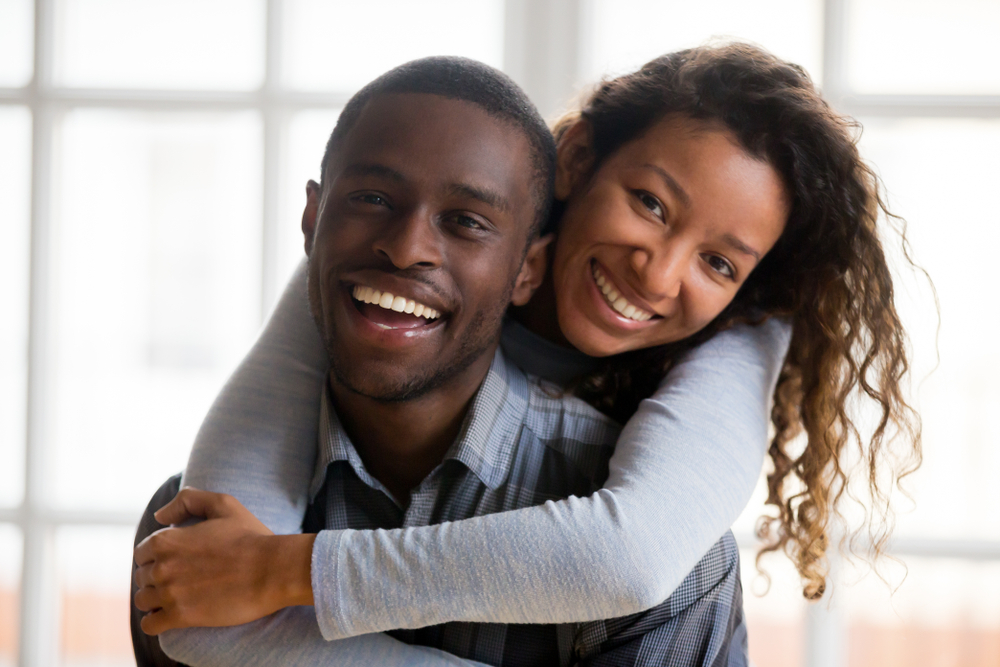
(736, 244)
(485, 195)
(361, 169)
(671, 183)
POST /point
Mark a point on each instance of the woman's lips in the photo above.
(614, 299)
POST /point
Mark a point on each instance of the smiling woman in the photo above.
(672, 225)
(784, 224)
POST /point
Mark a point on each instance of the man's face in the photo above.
(415, 242)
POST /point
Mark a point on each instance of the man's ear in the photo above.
(309, 214)
(532, 272)
(574, 158)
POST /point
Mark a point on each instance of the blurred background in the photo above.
(153, 157)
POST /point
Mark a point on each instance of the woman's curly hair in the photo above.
(827, 273)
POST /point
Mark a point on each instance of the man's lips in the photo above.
(391, 311)
(394, 302)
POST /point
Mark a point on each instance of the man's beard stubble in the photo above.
(474, 344)
(472, 347)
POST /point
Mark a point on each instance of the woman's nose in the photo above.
(660, 270)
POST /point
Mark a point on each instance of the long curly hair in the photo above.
(827, 273)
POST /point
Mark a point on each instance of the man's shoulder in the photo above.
(554, 415)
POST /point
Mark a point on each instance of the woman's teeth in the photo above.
(617, 301)
(392, 302)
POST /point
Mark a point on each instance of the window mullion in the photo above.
(834, 50)
(542, 40)
(39, 617)
(274, 124)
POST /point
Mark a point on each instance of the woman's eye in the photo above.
(651, 203)
(720, 266)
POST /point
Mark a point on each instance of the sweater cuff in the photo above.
(326, 559)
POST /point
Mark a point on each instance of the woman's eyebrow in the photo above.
(671, 184)
(740, 246)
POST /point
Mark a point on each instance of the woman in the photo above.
(624, 236)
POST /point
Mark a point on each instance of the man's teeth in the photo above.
(617, 301)
(392, 302)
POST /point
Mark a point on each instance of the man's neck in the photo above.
(401, 442)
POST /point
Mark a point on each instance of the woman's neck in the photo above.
(539, 315)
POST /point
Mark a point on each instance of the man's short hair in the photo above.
(469, 81)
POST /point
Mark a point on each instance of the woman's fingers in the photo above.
(190, 503)
(148, 599)
(144, 576)
(159, 621)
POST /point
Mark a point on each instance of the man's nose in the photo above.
(410, 240)
(661, 270)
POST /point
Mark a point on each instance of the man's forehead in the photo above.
(410, 136)
(397, 123)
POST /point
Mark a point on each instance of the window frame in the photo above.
(544, 41)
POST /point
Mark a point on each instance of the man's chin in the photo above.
(384, 387)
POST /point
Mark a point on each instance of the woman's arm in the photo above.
(258, 441)
(290, 638)
(684, 468)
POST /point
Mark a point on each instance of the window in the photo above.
(154, 157)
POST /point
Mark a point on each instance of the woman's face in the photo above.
(655, 243)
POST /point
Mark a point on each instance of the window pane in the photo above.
(160, 43)
(624, 34)
(941, 176)
(157, 292)
(16, 41)
(95, 566)
(946, 612)
(11, 550)
(15, 174)
(775, 613)
(923, 46)
(344, 45)
(307, 135)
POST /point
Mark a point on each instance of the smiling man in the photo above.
(424, 203)
(422, 231)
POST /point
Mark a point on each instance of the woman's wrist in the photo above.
(289, 568)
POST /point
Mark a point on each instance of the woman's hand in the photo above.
(227, 570)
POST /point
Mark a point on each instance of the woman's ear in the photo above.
(574, 158)
(533, 269)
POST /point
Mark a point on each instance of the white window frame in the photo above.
(544, 44)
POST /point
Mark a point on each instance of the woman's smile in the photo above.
(613, 297)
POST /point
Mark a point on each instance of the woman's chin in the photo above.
(595, 342)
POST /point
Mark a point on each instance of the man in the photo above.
(423, 230)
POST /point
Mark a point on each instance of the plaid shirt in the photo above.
(522, 444)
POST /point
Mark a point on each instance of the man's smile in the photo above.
(391, 311)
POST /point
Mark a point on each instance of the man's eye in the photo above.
(721, 266)
(468, 222)
(373, 199)
(651, 203)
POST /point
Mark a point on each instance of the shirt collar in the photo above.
(485, 443)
